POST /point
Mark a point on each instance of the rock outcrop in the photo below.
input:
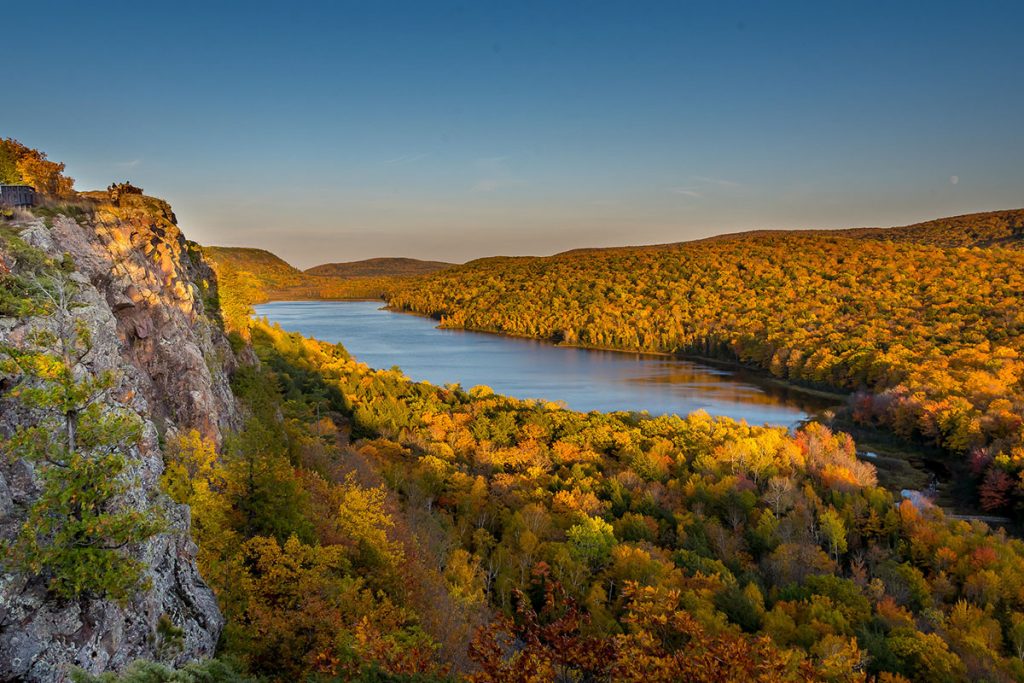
(146, 298)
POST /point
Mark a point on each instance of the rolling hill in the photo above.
(267, 277)
(379, 267)
(273, 272)
(989, 229)
(986, 229)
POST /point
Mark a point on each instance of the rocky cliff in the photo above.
(147, 299)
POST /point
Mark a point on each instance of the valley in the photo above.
(512, 342)
(352, 521)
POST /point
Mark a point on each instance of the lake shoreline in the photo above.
(721, 363)
(757, 373)
(586, 379)
(901, 464)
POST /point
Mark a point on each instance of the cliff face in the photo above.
(145, 293)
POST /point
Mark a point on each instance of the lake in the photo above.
(582, 379)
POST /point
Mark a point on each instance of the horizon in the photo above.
(587, 248)
(452, 132)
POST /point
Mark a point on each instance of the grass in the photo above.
(76, 208)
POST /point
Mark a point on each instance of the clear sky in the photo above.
(343, 130)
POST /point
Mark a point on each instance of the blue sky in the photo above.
(343, 130)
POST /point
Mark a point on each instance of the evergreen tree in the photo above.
(81, 446)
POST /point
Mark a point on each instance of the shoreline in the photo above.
(281, 300)
(756, 374)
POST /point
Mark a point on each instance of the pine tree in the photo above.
(78, 529)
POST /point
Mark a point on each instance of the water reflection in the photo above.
(582, 379)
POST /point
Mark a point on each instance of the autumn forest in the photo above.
(627, 547)
(512, 342)
(353, 524)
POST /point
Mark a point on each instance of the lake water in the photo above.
(582, 379)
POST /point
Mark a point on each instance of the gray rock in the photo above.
(142, 305)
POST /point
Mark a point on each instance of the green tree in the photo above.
(1016, 634)
(834, 531)
(592, 541)
(925, 657)
(81, 447)
(261, 483)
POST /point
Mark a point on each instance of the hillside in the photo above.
(379, 267)
(700, 546)
(263, 277)
(274, 273)
(989, 229)
(932, 336)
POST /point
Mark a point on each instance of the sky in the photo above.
(336, 131)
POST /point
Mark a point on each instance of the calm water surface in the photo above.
(582, 379)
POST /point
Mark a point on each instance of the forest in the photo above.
(597, 546)
(360, 526)
(592, 547)
(926, 336)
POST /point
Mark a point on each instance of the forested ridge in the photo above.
(930, 337)
(265, 276)
(987, 229)
(379, 267)
(990, 229)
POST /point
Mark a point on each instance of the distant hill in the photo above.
(379, 267)
(272, 271)
(267, 277)
(989, 229)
